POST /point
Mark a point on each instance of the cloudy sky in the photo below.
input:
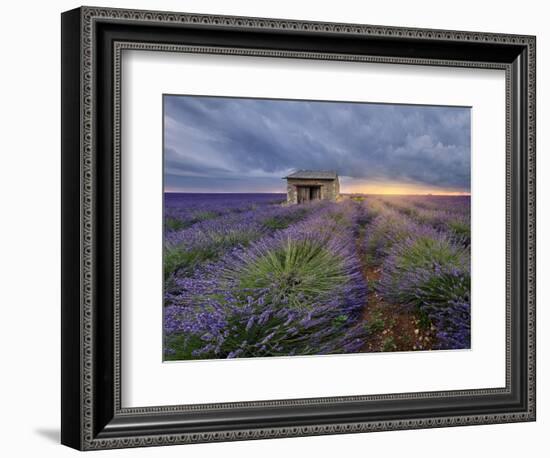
(218, 144)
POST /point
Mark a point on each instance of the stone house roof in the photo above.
(313, 175)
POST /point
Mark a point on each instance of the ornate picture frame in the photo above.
(93, 416)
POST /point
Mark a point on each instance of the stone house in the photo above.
(306, 185)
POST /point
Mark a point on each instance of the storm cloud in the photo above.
(220, 144)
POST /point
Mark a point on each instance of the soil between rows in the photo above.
(392, 327)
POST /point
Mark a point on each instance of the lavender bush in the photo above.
(298, 291)
(208, 240)
(386, 229)
(431, 272)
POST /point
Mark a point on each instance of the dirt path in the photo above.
(391, 327)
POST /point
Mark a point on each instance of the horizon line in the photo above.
(447, 194)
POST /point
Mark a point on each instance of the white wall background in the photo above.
(30, 241)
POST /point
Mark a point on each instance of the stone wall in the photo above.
(330, 189)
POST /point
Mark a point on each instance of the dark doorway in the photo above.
(307, 193)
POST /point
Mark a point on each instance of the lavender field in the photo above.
(248, 276)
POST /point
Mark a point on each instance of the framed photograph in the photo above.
(276, 228)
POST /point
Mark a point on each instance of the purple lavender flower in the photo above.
(298, 290)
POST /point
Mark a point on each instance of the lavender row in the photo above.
(182, 210)
(298, 291)
(452, 204)
(207, 240)
(387, 227)
(425, 269)
(437, 212)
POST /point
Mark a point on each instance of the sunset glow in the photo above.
(353, 186)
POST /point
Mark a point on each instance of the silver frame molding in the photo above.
(93, 417)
